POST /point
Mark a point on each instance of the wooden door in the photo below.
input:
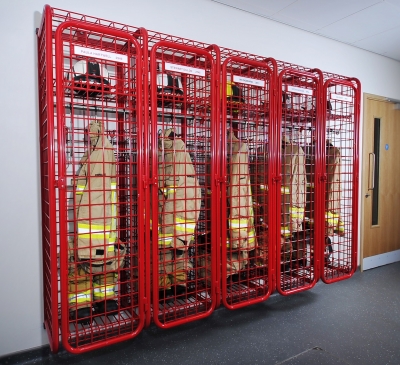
(380, 238)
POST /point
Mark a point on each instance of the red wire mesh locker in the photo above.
(183, 197)
(340, 155)
(247, 111)
(98, 81)
(299, 217)
(107, 96)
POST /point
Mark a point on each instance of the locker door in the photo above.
(340, 160)
(247, 209)
(184, 213)
(297, 166)
(100, 135)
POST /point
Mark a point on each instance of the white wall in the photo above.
(21, 302)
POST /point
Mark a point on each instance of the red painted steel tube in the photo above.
(255, 64)
(154, 159)
(62, 183)
(216, 174)
(316, 79)
(273, 149)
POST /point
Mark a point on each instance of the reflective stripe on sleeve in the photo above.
(165, 239)
(285, 231)
(285, 190)
(185, 226)
(81, 297)
(238, 223)
(296, 212)
(332, 218)
(168, 190)
(80, 189)
(93, 231)
(103, 291)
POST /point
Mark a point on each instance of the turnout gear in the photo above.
(96, 254)
(242, 233)
(179, 208)
(179, 193)
(293, 189)
(333, 223)
(310, 174)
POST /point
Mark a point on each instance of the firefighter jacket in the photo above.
(293, 189)
(242, 234)
(179, 193)
(333, 191)
(259, 180)
(309, 151)
(96, 199)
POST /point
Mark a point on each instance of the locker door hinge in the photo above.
(60, 183)
(220, 180)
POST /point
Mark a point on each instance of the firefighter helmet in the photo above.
(89, 78)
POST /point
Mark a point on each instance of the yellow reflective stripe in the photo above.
(341, 226)
(332, 218)
(79, 189)
(113, 185)
(168, 190)
(103, 291)
(238, 223)
(285, 231)
(165, 239)
(227, 243)
(185, 226)
(252, 236)
(285, 190)
(310, 185)
(93, 231)
(263, 187)
(81, 297)
(296, 212)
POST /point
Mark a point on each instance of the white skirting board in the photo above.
(380, 260)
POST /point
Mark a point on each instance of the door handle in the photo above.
(369, 172)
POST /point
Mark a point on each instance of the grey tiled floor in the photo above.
(356, 321)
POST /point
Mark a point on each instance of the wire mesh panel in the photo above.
(100, 136)
(246, 210)
(184, 213)
(48, 178)
(340, 158)
(297, 118)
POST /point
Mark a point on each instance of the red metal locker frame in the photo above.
(201, 301)
(139, 317)
(341, 268)
(306, 275)
(48, 179)
(258, 283)
(52, 18)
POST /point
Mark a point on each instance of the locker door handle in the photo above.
(373, 172)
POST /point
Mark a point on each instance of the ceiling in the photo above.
(373, 25)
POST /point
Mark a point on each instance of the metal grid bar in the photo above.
(299, 97)
(100, 159)
(341, 127)
(183, 194)
(246, 259)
